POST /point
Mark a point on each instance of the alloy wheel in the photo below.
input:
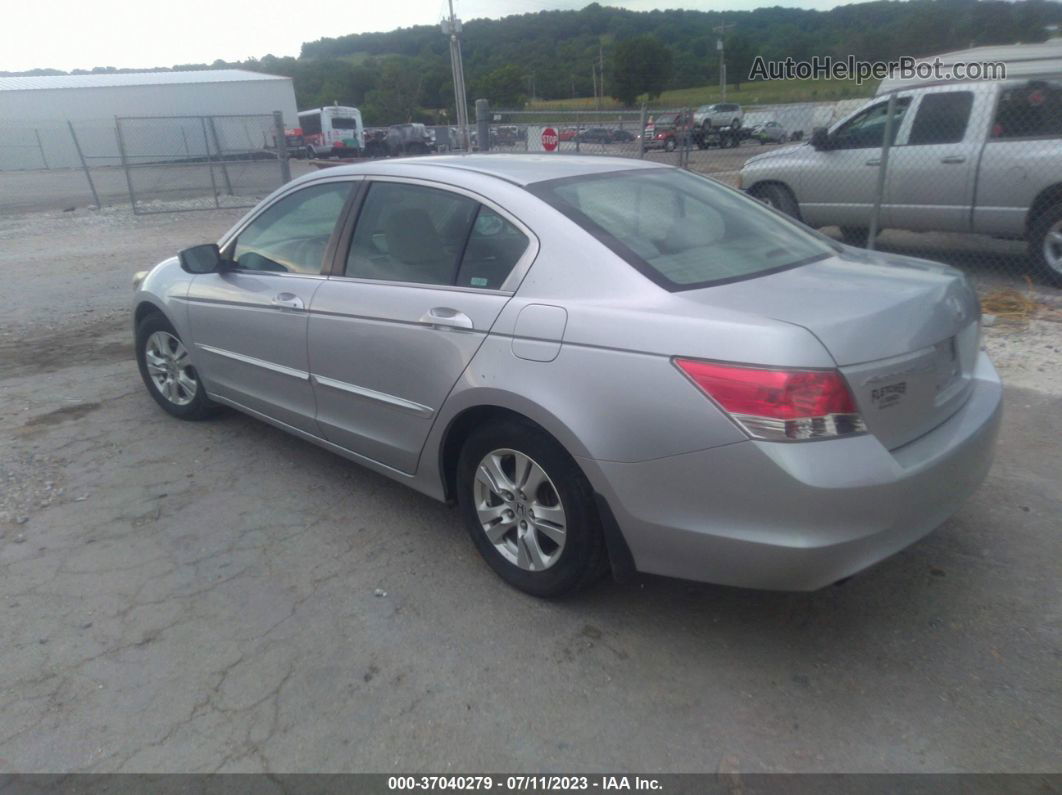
(170, 368)
(520, 510)
(1053, 247)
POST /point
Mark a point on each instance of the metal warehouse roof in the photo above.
(105, 80)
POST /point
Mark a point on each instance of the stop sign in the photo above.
(549, 139)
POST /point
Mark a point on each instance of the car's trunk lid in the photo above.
(904, 333)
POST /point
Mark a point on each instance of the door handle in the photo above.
(875, 161)
(288, 301)
(953, 159)
(445, 317)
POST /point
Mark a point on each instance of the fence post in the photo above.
(221, 157)
(641, 131)
(577, 131)
(483, 124)
(282, 147)
(210, 162)
(886, 144)
(125, 162)
(81, 157)
(41, 147)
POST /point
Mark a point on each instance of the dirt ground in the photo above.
(219, 596)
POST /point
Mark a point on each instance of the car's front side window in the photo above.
(867, 130)
(292, 235)
(413, 233)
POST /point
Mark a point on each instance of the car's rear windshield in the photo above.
(682, 230)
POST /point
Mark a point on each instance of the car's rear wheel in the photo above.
(168, 372)
(1045, 243)
(529, 509)
(777, 196)
(735, 124)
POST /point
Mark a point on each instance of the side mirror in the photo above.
(820, 138)
(201, 259)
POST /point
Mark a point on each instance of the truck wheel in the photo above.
(735, 124)
(670, 145)
(855, 235)
(1045, 243)
(310, 153)
(777, 196)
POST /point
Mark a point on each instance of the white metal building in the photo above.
(34, 111)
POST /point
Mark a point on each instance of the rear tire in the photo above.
(779, 197)
(569, 553)
(1045, 244)
(170, 377)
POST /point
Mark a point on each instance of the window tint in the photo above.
(339, 123)
(941, 118)
(292, 235)
(682, 230)
(311, 125)
(408, 233)
(494, 247)
(1033, 110)
(867, 130)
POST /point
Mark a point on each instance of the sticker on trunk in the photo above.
(889, 395)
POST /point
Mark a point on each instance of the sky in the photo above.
(81, 34)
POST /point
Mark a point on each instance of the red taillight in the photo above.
(779, 404)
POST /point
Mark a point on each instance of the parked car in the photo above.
(567, 134)
(770, 132)
(604, 362)
(977, 157)
(623, 136)
(409, 139)
(721, 114)
(595, 135)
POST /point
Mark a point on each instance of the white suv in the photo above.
(722, 114)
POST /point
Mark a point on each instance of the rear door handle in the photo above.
(288, 301)
(953, 159)
(445, 317)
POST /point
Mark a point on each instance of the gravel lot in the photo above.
(199, 597)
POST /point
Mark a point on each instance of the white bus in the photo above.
(332, 131)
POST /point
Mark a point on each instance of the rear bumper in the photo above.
(799, 516)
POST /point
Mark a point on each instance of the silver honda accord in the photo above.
(606, 364)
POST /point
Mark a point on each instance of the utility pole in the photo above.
(721, 30)
(452, 27)
(601, 70)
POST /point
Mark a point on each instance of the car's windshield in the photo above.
(682, 230)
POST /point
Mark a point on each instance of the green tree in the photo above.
(640, 66)
(503, 87)
(397, 94)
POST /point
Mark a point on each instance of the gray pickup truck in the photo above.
(979, 157)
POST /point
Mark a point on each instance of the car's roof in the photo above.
(517, 169)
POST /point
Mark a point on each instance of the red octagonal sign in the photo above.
(549, 139)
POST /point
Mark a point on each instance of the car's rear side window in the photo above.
(681, 230)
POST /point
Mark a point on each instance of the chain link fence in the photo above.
(172, 163)
(157, 164)
(968, 174)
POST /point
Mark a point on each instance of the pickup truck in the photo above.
(979, 157)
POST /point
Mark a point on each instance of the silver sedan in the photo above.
(607, 364)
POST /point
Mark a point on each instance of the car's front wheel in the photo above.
(168, 372)
(529, 509)
(777, 196)
(670, 145)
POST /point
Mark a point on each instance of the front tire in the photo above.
(670, 145)
(168, 372)
(855, 235)
(779, 197)
(1045, 244)
(529, 509)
